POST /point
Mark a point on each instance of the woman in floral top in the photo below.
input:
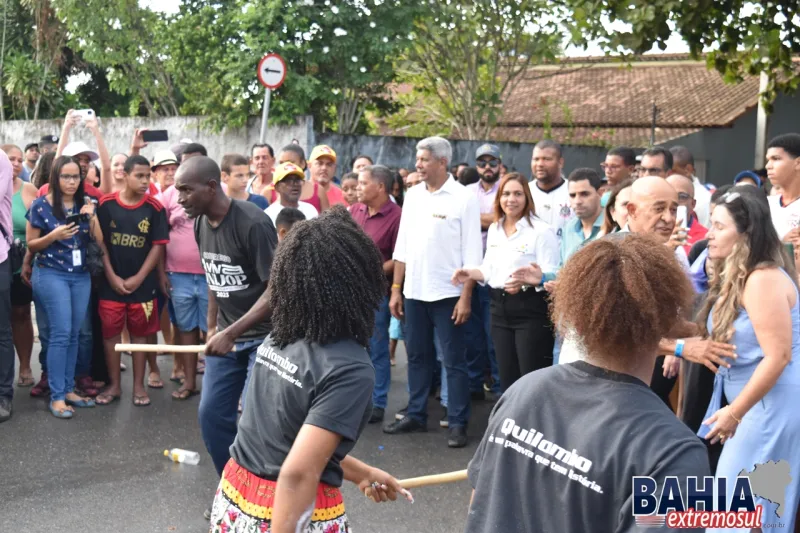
(60, 226)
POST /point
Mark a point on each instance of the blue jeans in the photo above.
(43, 325)
(480, 348)
(85, 347)
(422, 319)
(379, 353)
(65, 297)
(224, 382)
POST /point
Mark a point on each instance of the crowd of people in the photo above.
(541, 291)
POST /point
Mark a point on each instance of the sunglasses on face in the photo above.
(493, 163)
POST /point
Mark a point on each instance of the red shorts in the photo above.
(141, 318)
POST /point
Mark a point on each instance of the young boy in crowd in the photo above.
(287, 218)
(235, 174)
(135, 230)
(349, 185)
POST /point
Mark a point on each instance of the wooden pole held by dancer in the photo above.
(436, 479)
(160, 348)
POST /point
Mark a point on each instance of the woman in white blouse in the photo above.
(521, 329)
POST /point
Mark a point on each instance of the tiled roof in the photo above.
(615, 95)
(588, 136)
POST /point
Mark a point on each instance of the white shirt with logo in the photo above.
(553, 206)
(439, 233)
(784, 217)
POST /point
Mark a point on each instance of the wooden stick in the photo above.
(162, 348)
(436, 479)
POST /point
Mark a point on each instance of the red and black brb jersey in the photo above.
(129, 232)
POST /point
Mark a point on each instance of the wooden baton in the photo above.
(160, 348)
(435, 479)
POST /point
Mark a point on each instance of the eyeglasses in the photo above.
(493, 163)
(652, 170)
(70, 177)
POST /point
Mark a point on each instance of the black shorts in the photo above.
(21, 293)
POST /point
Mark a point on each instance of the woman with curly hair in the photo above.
(580, 431)
(310, 388)
(754, 304)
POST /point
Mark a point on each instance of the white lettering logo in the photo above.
(224, 278)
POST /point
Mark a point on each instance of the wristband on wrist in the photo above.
(679, 344)
(396, 286)
(730, 410)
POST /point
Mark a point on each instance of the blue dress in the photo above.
(770, 430)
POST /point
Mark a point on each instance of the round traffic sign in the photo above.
(271, 71)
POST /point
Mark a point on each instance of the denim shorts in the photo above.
(188, 303)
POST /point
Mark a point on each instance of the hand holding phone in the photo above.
(683, 216)
(77, 219)
(85, 114)
(154, 136)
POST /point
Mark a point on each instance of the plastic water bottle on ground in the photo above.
(183, 456)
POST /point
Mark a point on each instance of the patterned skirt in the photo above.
(243, 504)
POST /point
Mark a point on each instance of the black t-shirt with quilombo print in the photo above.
(129, 233)
(561, 449)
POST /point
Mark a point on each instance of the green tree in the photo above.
(339, 57)
(127, 40)
(467, 56)
(741, 37)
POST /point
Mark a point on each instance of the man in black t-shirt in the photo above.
(237, 241)
(135, 230)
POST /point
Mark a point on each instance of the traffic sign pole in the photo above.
(271, 73)
(265, 116)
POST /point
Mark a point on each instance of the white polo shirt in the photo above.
(306, 208)
(439, 233)
(784, 218)
(552, 206)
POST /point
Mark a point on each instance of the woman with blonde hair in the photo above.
(521, 329)
(754, 304)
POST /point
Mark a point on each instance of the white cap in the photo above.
(79, 148)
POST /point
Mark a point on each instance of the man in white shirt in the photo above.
(783, 169)
(288, 180)
(548, 186)
(439, 233)
(480, 347)
(683, 163)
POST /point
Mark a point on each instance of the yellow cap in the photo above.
(322, 150)
(285, 170)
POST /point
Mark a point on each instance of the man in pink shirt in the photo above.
(323, 168)
(183, 280)
(6, 347)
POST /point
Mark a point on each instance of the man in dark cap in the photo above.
(48, 143)
(29, 159)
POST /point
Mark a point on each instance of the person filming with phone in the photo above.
(688, 229)
(60, 225)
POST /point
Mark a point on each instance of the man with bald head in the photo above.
(694, 230)
(237, 241)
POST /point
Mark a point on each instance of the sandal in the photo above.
(86, 386)
(105, 398)
(141, 400)
(64, 414)
(154, 381)
(83, 402)
(25, 380)
(177, 379)
(184, 394)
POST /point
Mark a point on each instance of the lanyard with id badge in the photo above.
(77, 256)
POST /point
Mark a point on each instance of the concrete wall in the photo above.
(117, 133)
(728, 151)
(401, 152)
